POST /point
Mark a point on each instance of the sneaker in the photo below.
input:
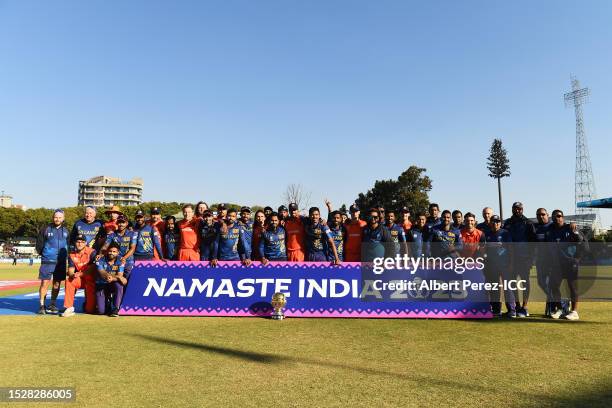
(511, 314)
(68, 312)
(556, 314)
(573, 315)
(522, 312)
(114, 313)
(52, 309)
(41, 310)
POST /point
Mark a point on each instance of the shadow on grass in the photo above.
(268, 358)
(599, 395)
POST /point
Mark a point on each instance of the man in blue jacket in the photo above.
(52, 245)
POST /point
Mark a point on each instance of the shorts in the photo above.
(570, 271)
(55, 271)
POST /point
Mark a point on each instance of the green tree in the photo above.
(11, 220)
(498, 165)
(409, 190)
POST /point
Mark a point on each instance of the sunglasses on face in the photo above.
(497, 222)
(541, 214)
(558, 216)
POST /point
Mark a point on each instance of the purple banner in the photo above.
(311, 290)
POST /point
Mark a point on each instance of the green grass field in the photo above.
(185, 362)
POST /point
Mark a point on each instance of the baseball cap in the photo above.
(404, 210)
(268, 208)
(517, 204)
(155, 211)
(122, 218)
(282, 208)
(495, 218)
(245, 209)
(139, 213)
(293, 207)
(354, 208)
(222, 207)
(81, 237)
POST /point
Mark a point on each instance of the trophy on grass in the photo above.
(278, 303)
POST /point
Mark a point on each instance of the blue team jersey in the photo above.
(272, 244)
(227, 246)
(208, 236)
(171, 240)
(124, 241)
(418, 242)
(339, 236)
(568, 242)
(496, 249)
(541, 230)
(398, 236)
(373, 241)
(316, 237)
(112, 268)
(90, 231)
(442, 241)
(147, 238)
(247, 243)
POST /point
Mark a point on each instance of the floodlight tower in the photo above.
(584, 189)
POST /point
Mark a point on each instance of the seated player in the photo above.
(81, 275)
(272, 241)
(110, 282)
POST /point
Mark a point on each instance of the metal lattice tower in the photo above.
(585, 184)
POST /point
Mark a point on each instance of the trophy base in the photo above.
(278, 316)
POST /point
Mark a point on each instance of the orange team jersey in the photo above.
(470, 241)
(407, 225)
(189, 234)
(295, 234)
(354, 233)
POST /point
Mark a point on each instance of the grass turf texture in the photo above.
(165, 361)
(18, 272)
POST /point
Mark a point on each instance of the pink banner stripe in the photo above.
(353, 314)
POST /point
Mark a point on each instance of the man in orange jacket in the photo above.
(81, 274)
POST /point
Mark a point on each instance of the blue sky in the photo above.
(233, 100)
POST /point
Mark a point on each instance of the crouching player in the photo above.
(272, 241)
(81, 275)
(110, 281)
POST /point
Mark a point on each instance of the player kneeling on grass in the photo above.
(81, 274)
(110, 282)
